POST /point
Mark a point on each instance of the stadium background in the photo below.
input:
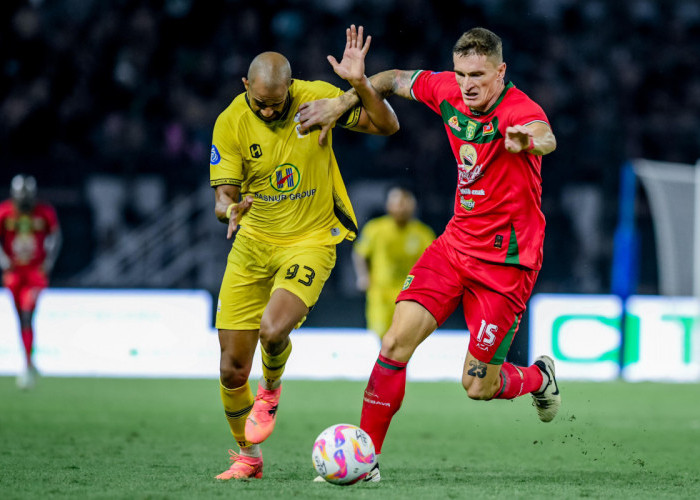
(111, 106)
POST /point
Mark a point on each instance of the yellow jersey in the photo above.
(392, 250)
(299, 194)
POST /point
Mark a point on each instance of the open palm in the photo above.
(352, 66)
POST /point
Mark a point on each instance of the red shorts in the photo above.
(493, 296)
(25, 283)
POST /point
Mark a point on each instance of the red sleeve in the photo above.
(431, 87)
(524, 111)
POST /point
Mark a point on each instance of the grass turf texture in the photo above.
(126, 438)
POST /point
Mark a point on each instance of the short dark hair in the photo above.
(479, 41)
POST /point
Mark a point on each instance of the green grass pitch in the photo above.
(133, 438)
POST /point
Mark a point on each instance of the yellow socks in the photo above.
(237, 404)
(273, 366)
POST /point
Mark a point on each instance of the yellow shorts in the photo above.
(255, 269)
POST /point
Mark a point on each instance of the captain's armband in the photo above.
(351, 117)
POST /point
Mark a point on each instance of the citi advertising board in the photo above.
(598, 337)
(169, 333)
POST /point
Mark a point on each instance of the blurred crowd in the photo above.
(129, 87)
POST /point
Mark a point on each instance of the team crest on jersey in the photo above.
(214, 156)
(471, 130)
(454, 123)
(255, 150)
(285, 178)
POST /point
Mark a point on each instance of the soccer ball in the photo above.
(343, 454)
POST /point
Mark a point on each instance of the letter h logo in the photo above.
(255, 150)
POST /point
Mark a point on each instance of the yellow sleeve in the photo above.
(225, 161)
(363, 245)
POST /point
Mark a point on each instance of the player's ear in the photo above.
(502, 70)
(245, 82)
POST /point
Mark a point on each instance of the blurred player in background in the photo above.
(384, 253)
(490, 253)
(30, 239)
(285, 191)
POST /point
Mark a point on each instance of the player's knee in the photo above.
(391, 348)
(272, 334)
(233, 374)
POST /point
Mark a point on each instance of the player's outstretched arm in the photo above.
(536, 138)
(376, 116)
(227, 209)
(325, 112)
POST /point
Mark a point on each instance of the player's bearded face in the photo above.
(268, 104)
(480, 80)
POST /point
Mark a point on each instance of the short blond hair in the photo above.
(480, 41)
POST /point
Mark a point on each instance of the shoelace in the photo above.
(235, 457)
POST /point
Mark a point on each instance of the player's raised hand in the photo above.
(518, 138)
(237, 213)
(352, 66)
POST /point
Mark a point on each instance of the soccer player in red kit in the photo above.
(30, 238)
(491, 250)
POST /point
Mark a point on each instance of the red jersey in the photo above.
(497, 215)
(22, 235)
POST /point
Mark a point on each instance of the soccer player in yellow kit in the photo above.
(285, 191)
(385, 252)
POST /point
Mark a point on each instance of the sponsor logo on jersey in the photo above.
(335, 231)
(285, 178)
(255, 150)
(468, 170)
(475, 192)
(407, 283)
(488, 129)
(498, 242)
(214, 156)
(468, 156)
(467, 204)
(454, 123)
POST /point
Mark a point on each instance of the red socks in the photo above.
(518, 380)
(28, 341)
(383, 396)
(387, 386)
